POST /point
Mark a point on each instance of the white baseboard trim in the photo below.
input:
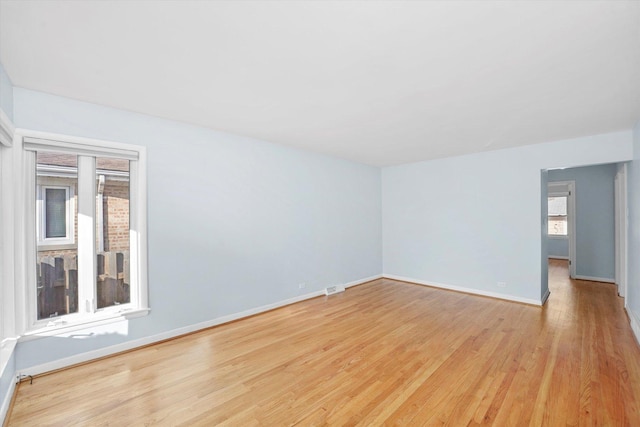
(594, 279)
(6, 402)
(361, 281)
(634, 319)
(566, 258)
(130, 345)
(466, 290)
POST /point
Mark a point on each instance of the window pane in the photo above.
(56, 212)
(557, 209)
(57, 253)
(112, 231)
(557, 206)
(557, 226)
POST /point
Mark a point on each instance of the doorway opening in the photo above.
(561, 222)
(586, 222)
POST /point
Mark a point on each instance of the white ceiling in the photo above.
(382, 82)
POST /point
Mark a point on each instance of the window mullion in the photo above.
(86, 234)
(30, 238)
(134, 236)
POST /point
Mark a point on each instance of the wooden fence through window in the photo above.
(58, 282)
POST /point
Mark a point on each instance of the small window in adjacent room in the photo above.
(557, 216)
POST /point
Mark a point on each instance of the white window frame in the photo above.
(560, 236)
(88, 314)
(41, 219)
(8, 335)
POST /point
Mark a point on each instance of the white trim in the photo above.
(506, 297)
(6, 403)
(130, 345)
(7, 230)
(594, 279)
(26, 239)
(64, 144)
(87, 298)
(41, 216)
(621, 231)
(55, 171)
(25, 141)
(361, 281)
(566, 258)
(6, 130)
(76, 322)
(634, 320)
(572, 218)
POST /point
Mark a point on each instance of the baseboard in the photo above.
(634, 319)
(130, 345)
(363, 281)
(6, 402)
(506, 297)
(566, 258)
(594, 279)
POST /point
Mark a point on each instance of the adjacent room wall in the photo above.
(234, 223)
(595, 219)
(558, 247)
(473, 221)
(633, 279)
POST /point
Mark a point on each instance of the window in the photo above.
(56, 212)
(88, 262)
(557, 211)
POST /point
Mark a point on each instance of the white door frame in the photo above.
(567, 189)
(620, 186)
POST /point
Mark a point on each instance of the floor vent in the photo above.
(330, 290)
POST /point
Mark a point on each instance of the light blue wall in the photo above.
(234, 223)
(595, 218)
(6, 94)
(7, 378)
(633, 182)
(472, 221)
(558, 247)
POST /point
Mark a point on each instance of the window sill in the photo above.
(56, 246)
(558, 237)
(63, 326)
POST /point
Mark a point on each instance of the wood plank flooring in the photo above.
(384, 353)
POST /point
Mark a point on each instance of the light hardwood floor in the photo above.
(386, 352)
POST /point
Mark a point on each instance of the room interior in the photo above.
(288, 148)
